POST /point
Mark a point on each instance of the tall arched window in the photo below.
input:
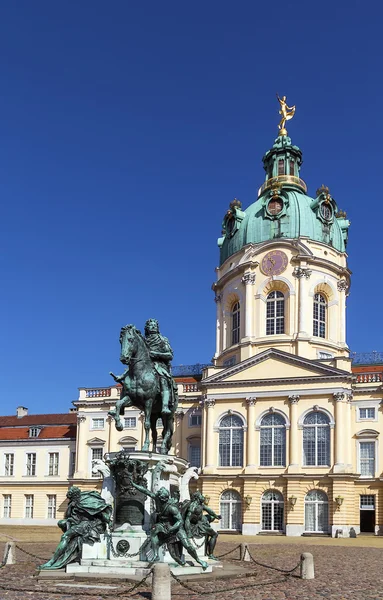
(275, 313)
(230, 509)
(316, 512)
(235, 323)
(319, 315)
(316, 440)
(231, 441)
(272, 511)
(273, 441)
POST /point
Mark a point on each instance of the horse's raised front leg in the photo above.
(148, 412)
(115, 412)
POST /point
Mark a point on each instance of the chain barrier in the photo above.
(118, 554)
(2, 564)
(284, 571)
(220, 591)
(83, 594)
(230, 551)
(196, 545)
(31, 554)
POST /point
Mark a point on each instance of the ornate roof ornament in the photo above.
(287, 113)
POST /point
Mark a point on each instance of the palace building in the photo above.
(284, 424)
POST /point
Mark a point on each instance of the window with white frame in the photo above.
(130, 422)
(231, 441)
(272, 511)
(235, 323)
(316, 440)
(195, 419)
(195, 452)
(9, 463)
(273, 441)
(97, 454)
(367, 459)
(316, 512)
(34, 431)
(231, 510)
(52, 500)
(319, 315)
(72, 466)
(367, 413)
(275, 313)
(29, 506)
(7, 506)
(31, 464)
(98, 423)
(53, 467)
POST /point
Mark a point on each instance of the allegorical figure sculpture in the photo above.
(287, 113)
(86, 518)
(169, 527)
(147, 382)
(197, 524)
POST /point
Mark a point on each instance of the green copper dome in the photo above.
(283, 209)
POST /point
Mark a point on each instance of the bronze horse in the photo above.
(141, 388)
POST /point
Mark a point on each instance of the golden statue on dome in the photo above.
(287, 113)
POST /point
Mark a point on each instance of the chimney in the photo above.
(72, 410)
(21, 411)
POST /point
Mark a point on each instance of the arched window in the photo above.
(316, 440)
(231, 441)
(235, 323)
(273, 441)
(275, 313)
(230, 509)
(316, 512)
(319, 316)
(195, 452)
(272, 511)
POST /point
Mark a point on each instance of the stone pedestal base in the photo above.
(126, 567)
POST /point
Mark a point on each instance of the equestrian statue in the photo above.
(147, 382)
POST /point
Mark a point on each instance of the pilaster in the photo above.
(252, 459)
(209, 404)
(294, 434)
(340, 426)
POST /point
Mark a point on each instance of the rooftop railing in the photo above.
(283, 179)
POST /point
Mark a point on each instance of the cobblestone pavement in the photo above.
(340, 573)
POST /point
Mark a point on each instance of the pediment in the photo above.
(275, 365)
(96, 440)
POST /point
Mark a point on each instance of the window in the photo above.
(272, 511)
(231, 442)
(235, 323)
(129, 449)
(7, 499)
(367, 459)
(324, 355)
(273, 441)
(195, 452)
(34, 432)
(98, 423)
(367, 502)
(229, 362)
(130, 422)
(97, 454)
(319, 316)
(275, 313)
(29, 506)
(281, 167)
(292, 169)
(53, 463)
(51, 507)
(31, 464)
(230, 509)
(316, 440)
(72, 467)
(195, 420)
(316, 512)
(367, 413)
(9, 461)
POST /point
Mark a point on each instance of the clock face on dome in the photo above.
(274, 262)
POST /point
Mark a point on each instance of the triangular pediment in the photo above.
(274, 365)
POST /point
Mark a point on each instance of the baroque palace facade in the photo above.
(284, 425)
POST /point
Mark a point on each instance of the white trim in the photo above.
(268, 411)
(359, 419)
(375, 441)
(326, 281)
(229, 412)
(310, 410)
(277, 394)
(273, 279)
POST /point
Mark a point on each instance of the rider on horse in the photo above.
(161, 354)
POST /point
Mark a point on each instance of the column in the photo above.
(340, 425)
(294, 433)
(218, 344)
(348, 457)
(342, 288)
(81, 453)
(248, 280)
(251, 462)
(209, 438)
(178, 437)
(302, 274)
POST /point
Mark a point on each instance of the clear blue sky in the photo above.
(126, 128)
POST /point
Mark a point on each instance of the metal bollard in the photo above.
(307, 566)
(244, 553)
(161, 589)
(10, 553)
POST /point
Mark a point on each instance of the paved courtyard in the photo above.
(344, 569)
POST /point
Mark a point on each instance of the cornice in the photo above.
(277, 381)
